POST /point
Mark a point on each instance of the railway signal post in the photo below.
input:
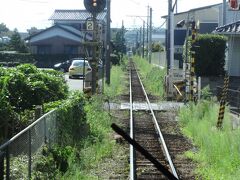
(94, 7)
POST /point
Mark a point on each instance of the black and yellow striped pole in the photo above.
(192, 62)
(223, 102)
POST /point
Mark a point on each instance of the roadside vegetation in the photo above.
(152, 76)
(98, 145)
(22, 88)
(217, 150)
(86, 136)
(118, 80)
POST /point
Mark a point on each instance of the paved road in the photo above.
(74, 84)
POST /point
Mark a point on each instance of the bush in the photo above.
(27, 86)
(23, 87)
(157, 47)
(72, 123)
(12, 59)
(115, 59)
(210, 54)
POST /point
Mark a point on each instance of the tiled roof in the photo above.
(233, 28)
(60, 14)
(74, 31)
(67, 28)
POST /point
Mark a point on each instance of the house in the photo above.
(67, 35)
(206, 17)
(58, 39)
(232, 61)
(232, 31)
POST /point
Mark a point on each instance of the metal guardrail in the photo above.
(18, 154)
(233, 99)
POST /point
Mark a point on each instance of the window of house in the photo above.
(71, 49)
(44, 49)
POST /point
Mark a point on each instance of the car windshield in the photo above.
(79, 63)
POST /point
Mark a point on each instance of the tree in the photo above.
(3, 28)
(17, 44)
(119, 42)
(157, 47)
(33, 30)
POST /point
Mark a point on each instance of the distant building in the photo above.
(208, 19)
(232, 61)
(134, 37)
(67, 34)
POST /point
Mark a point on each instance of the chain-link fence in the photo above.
(17, 156)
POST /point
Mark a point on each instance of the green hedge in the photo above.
(12, 59)
(39, 60)
(48, 61)
(23, 87)
(210, 54)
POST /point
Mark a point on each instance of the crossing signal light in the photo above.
(94, 3)
(233, 4)
(95, 6)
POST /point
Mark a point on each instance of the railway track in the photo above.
(145, 130)
(157, 136)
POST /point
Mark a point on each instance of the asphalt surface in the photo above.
(74, 84)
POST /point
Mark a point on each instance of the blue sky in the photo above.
(24, 14)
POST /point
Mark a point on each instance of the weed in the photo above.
(218, 153)
(152, 76)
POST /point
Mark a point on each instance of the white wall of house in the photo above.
(233, 65)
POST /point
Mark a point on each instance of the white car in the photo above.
(76, 69)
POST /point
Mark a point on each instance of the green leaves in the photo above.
(27, 86)
(210, 54)
(22, 88)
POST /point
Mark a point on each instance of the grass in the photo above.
(218, 152)
(152, 76)
(117, 82)
(99, 145)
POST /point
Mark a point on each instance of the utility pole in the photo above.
(176, 4)
(136, 41)
(170, 37)
(140, 40)
(224, 9)
(143, 38)
(147, 33)
(108, 37)
(94, 58)
(150, 37)
(94, 7)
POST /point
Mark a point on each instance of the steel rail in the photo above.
(165, 149)
(132, 162)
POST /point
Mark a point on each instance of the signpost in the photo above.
(90, 25)
(94, 7)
